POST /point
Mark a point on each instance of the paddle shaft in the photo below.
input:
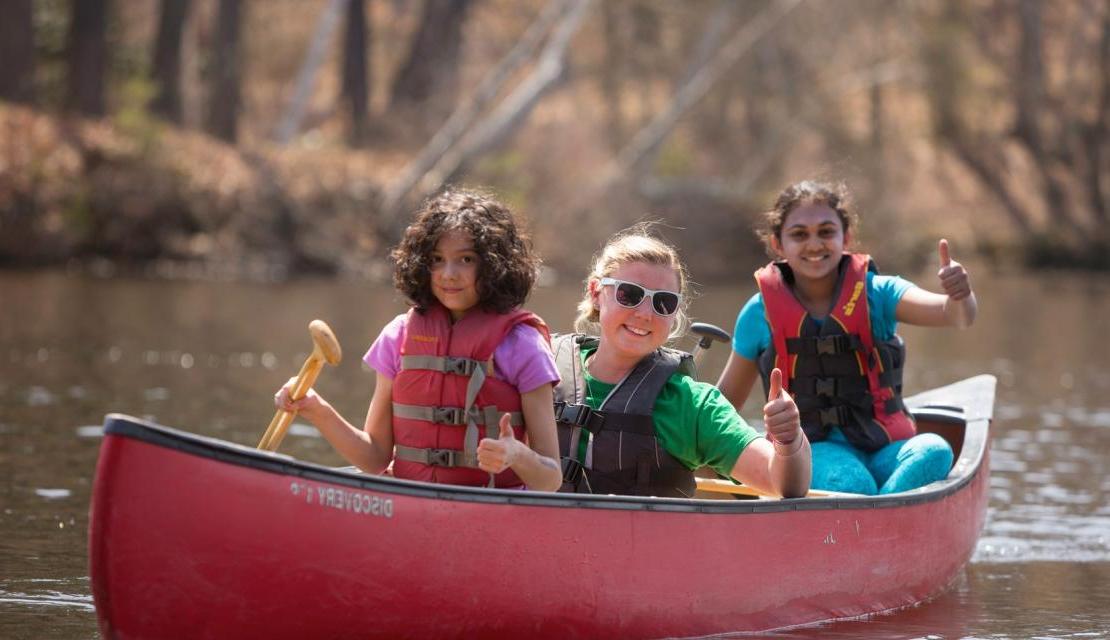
(275, 433)
(724, 486)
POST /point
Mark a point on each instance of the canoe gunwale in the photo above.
(964, 471)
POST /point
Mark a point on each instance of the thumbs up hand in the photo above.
(953, 277)
(780, 414)
(496, 455)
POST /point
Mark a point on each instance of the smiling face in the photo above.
(454, 272)
(812, 241)
(634, 333)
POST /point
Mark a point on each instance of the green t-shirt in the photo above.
(693, 421)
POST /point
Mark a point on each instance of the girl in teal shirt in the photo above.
(807, 231)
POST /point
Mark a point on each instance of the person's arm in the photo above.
(781, 463)
(956, 307)
(737, 379)
(371, 448)
(536, 463)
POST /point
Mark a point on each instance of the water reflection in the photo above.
(206, 357)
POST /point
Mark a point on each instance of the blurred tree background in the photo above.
(270, 139)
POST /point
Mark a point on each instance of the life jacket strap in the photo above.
(824, 345)
(579, 415)
(828, 386)
(835, 415)
(453, 415)
(446, 364)
(435, 457)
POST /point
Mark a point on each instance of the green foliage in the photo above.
(132, 117)
(505, 172)
(51, 26)
(675, 158)
(77, 214)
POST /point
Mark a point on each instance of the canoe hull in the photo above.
(193, 537)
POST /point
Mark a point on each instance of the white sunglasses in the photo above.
(630, 295)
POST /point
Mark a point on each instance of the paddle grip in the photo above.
(275, 433)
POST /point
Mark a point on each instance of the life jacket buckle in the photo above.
(458, 366)
(442, 457)
(575, 414)
(827, 346)
(447, 415)
(824, 387)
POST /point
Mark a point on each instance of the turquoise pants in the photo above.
(899, 466)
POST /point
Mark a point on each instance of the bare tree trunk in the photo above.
(17, 50)
(87, 56)
(463, 118)
(1030, 92)
(1095, 138)
(356, 92)
(430, 72)
(611, 72)
(493, 130)
(224, 97)
(306, 78)
(650, 137)
(991, 177)
(167, 59)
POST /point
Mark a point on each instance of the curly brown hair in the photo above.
(507, 263)
(833, 195)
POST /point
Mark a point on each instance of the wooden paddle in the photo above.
(725, 486)
(325, 348)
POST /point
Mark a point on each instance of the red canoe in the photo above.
(193, 537)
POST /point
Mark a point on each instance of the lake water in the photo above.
(207, 356)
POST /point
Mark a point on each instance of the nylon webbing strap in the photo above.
(456, 415)
(470, 440)
(446, 364)
(435, 457)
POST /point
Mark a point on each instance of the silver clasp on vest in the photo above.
(443, 457)
(448, 415)
(458, 366)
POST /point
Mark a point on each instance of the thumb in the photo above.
(776, 384)
(945, 258)
(506, 425)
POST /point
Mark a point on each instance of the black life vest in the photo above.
(838, 374)
(621, 453)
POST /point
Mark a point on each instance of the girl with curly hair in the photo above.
(465, 377)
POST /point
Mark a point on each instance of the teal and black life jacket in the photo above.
(614, 449)
(836, 371)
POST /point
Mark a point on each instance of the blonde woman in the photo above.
(631, 418)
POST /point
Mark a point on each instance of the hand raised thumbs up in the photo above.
(780, 414)
(494, 456)
(776, 384)
(953, 277)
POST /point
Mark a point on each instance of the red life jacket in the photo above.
(835, 371)
(445, 400)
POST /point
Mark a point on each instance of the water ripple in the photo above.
(80, 601)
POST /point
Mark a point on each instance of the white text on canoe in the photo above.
(343, 499)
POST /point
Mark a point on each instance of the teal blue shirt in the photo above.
(752, 334)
